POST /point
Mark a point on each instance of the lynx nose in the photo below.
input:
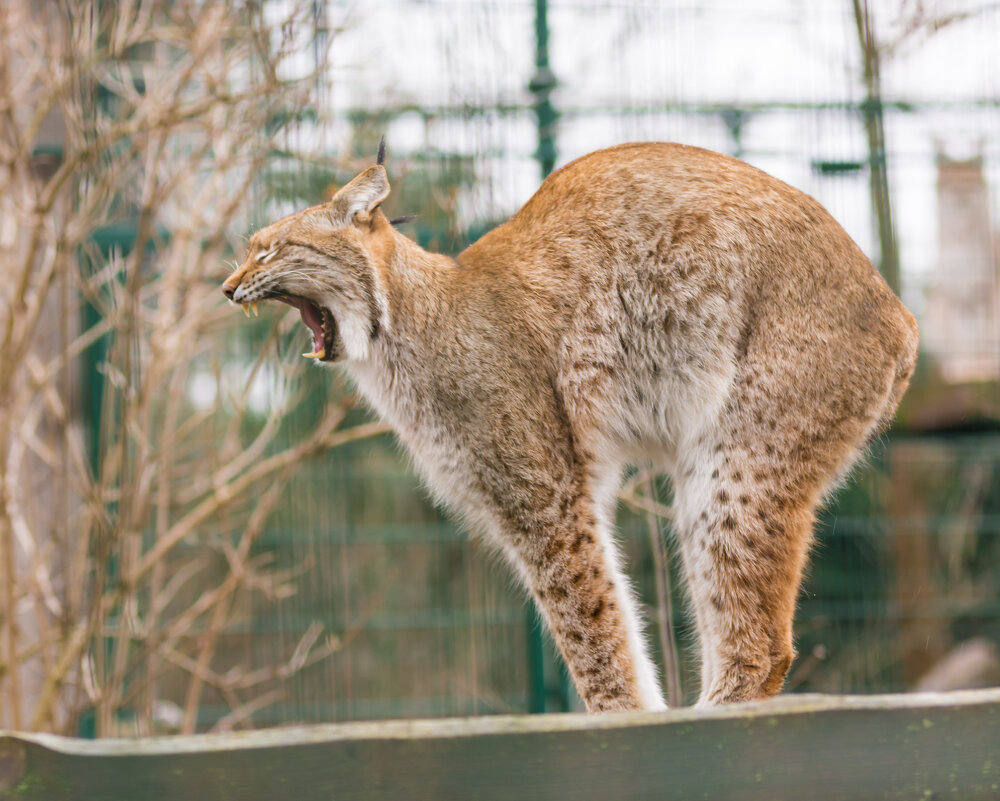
(228, 290)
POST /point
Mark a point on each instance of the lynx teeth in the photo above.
(316, 354)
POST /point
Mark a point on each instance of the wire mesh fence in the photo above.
(902, 570)
(376, 605)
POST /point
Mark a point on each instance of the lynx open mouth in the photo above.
(319, 321)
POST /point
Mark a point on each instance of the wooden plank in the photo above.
(800, 748)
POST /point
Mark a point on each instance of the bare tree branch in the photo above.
(155, 120)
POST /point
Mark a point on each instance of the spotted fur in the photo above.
(650, 302)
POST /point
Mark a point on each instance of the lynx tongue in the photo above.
(312, 315)
(313, 318)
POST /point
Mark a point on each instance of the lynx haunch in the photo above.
(650, 302)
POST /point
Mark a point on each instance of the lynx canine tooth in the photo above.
(316, 354)
(254, 307)
(246, 310)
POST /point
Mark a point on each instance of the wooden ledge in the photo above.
(801, 747)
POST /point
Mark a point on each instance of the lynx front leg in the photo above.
(572, 571)
(550, 504)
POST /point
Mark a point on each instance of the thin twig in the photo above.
(664, 597)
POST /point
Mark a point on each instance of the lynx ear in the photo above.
(357, 200)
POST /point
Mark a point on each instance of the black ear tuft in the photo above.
(380, 158)
(405, 219)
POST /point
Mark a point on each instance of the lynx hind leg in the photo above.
(745, 511)
(747, 491)
(744, 544)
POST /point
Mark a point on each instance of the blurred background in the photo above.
(199, 530)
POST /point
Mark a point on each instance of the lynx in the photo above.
(650, 303)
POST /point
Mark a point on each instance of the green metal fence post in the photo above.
(541, 85)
